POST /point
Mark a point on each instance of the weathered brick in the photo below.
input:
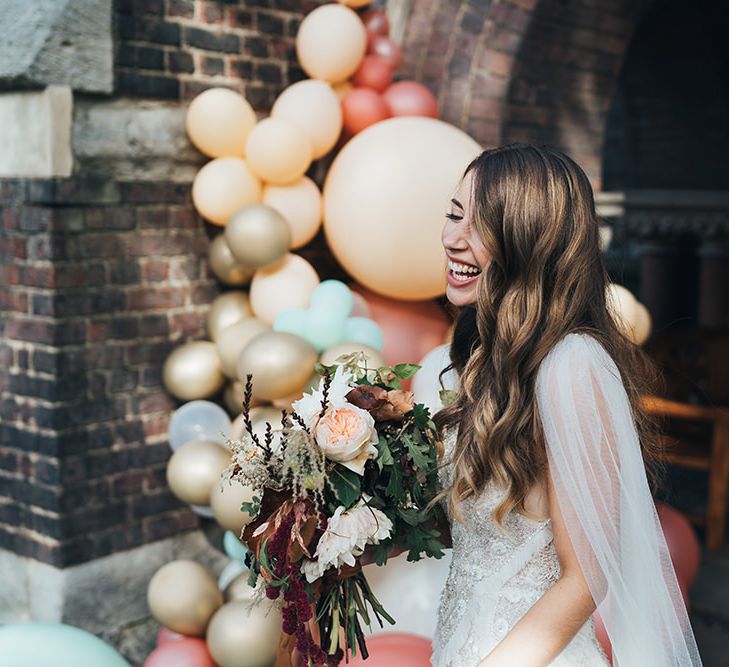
(211, 41)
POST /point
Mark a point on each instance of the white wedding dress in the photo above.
(497, 574)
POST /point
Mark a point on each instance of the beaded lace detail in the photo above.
(497, 574)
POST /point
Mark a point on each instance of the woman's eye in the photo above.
(454, 217)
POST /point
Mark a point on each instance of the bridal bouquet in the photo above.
(351, 469)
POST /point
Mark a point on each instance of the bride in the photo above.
(544, 476)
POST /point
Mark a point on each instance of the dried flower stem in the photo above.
(325, 393)
(247, 396)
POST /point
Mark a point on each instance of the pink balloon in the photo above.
(362, 107)
(682, 543)
(410, 98)
(187, 652)
(165, 635)
(395, 649)
(385, 48)
(374, 72)
(601, 635)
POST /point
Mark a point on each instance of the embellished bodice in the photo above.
(497, 573)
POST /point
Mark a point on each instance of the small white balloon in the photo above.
(426, 385)
(198, 420)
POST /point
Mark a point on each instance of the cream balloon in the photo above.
(373, 358)
(300, 205)
(281, 364)
(240, 589)
(258, 235)
(241, 634)
(227, 268)
(289, 283)
(314, 107)
(193, 371)
(384, 199)
(225, 501)
(183, 596)
(278, 151)
(233, 396)
(331, 43)
(623, 306)
(218, 122)
(642, 325)
(227, 309)
(263, 415)
(195, 468)
(233, 339)
(222, 187)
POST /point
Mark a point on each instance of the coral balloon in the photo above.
(374, 73)
(278, 151)
(363, 107)
(233, 339)
(227, 309)
(300, 205)
(682, 543)
(223, 186)
(314, 107)
(410, 98)
(385, 48)
(165, 636)
(218, 122)
(404, 170)
(182, 596)
(193, 371)
(226, 499)
(395, 648)
(331, 43)
(373, 357)
(355, 3)
(227, 268)
(287, 284)
(185, 652)
(195, 468)
(375, 21)
(258, 235)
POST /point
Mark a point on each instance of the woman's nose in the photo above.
(451, 236)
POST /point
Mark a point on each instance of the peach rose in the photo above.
(347, 435)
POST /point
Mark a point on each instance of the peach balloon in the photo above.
(363, 107)
(286, 284)
(314, 107)
(218, 122)
(410, 98)
(395, 648)
(300, 205)
(278, 151)
(223, 186)
(374, 73)
(331, 43)
(384, 200)
(355, 3)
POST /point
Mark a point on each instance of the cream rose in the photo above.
(346, 434)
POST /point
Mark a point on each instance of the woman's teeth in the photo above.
(463, 272)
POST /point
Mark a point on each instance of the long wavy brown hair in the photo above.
(533, 209)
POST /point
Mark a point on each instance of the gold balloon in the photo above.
(278, 151)
(233, 339)
(331, 43)
(222, 187)
(225, 501)
(265, 414)
(226, 267)
(300, 205)
(218, 122)
(195, 468)
(288, 283)
(373, 357)
(193, 371)
(182, 596)
(281, 364)
(371, 183)
(239, 589)
(227, 309)
(258, 235)
(241, 634)
(314, 107)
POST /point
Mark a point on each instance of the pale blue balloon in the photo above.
(56, 645)
(334, 297)
(198, 420)
(324, 329)
(364, 330)
(291, 320)
(233, 547)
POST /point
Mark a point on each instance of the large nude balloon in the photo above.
(223, 186)
(385, 199)
(286, 284)
(193, 371)
(218, 122)
(300, 205)
(278, 151)
(373, 358)
(331, 43)
(314, 107)
(233, 339)
(195, 468)
(227, 309)
(227, 268)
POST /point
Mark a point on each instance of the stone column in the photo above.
(714, 284)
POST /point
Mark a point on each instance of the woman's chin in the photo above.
(461, 296)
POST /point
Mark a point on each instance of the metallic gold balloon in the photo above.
(193, 371)
(281, 364)
(244, 635)
(226, 267)
(225, 501)
(233, 339)
(227, 309)
(195, 468)
(373, 357)
(182, 596)
(240, 590)
(258, 235)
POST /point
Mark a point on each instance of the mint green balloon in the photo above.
(56, 645)
(332, 296)
(364, 330)
(292, 320)
(233, 547)
(324, 328)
